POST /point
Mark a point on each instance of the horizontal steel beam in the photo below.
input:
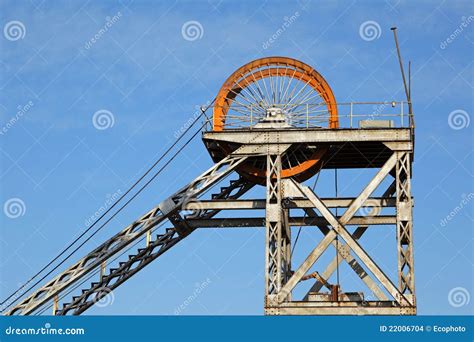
(340, 303)
(291, 204)
(345, 308)
(290, 136)
(293, 221)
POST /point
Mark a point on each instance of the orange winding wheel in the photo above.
(282, 91)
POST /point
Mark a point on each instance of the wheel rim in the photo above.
(300, 94)
(274, 82)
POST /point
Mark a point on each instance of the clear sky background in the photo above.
(150, 78)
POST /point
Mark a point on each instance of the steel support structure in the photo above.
(406, 273)
(277, 233)
(385, 297)
(106, 253)
(388, 150)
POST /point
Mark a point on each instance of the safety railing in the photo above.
(386, 114)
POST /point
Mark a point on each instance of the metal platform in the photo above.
(348, 148)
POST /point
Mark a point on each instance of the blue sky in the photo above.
(150, 78)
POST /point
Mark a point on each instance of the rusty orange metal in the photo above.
(271, 67)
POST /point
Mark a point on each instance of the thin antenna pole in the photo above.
(394, 29)
(409, 79)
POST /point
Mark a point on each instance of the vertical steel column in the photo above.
(278, 243)
(406, 277)
(286, 245)
(273, 226)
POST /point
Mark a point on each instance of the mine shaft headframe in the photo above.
(277, 93)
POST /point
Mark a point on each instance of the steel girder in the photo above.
(313, 135)
(344, 253)
(51, 290)
(406, 275)
(144, 256)
(250, 204)
(402, 296)
(278, 237)
(250, 222)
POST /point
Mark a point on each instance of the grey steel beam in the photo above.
(117, 275)
(302, 308)
(368, 190)
(399, 145)
(275, 233)
(306, 265)
(332, 266)
(294, 136)
(249, 204)
(248, 222)
(341, 303)
(353, 244)
(344, 253)
(406, 272)
(124, 238)
(338, 226)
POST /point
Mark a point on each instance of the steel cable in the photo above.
(203, 111)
